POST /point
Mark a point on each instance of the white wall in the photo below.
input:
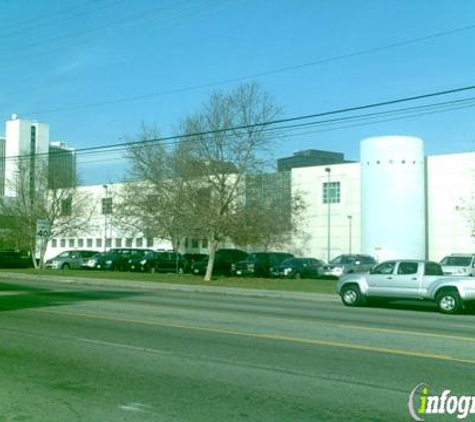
(308, 181)
(450, 189)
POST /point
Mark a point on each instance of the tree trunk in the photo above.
(213, 245)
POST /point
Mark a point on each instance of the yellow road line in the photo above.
(324, 343)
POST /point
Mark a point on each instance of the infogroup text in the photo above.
(421, 403)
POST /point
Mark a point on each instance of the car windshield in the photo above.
(457, 261)
(343, 260)
(289, 261)
(63, 255)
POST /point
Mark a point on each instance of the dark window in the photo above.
(384, 268)
(118, 242)
(194, 243)
(66, 207)
(128, 242)
(108, 242)
(98, 243)
(139, 242)
(149, 242)
(431, 268)
(71, 243)
(407, 268)
(62, 243)
(89, 243)
(54, 243)
(80, 243)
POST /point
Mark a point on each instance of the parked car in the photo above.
(349, 263)
(408, 279)
(159, 261)
(192, 259)
(259, 264)
(115, 259)
(459, 264)
(223, 261)
(15, 259)
(299, 268)
(70, 259)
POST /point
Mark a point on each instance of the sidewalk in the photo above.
(149, 285)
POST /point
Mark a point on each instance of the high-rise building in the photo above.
(61, 166)
(26, 153)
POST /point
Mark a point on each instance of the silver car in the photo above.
(459, 265)
(70, 259)
(349, 263)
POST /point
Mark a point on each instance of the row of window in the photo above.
(99, 242)
(128, 242)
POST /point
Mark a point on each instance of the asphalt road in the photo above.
(81, 353)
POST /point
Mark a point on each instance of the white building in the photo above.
(393, 204)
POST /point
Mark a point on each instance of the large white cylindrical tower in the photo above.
(393, 197)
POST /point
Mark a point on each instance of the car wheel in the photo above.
(351, 296)
(65, 267)
(153, 270)
(449, 302)
(298, 276)
(181, 270)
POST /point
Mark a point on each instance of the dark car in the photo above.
(347, 264)
(300, 268)
(193, 258)
(114, 259)
(223, 261)
(260, 264)
(159, 261)
(15, 259)
(70, 259)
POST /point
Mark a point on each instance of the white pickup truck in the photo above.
(408, 279)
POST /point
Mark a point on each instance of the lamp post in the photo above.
(105, 212)
(328, 170)
(350, 221)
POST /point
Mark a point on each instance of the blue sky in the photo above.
(69, 55)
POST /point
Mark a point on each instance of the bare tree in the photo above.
(226, 140)
(42, 195)
(156, 199)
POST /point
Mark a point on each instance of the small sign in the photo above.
(43, 228)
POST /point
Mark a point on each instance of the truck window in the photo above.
(384, 268)
(431, 268)
(407, 268)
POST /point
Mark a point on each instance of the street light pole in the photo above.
(104, 211)
(328, 170)
(350, 220)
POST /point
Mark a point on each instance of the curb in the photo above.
(147, 285)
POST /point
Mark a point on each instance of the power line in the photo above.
(272, 123)
(255, 75)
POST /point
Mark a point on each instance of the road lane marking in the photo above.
(325, 343)
(124, 346)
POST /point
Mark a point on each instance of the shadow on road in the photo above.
(413, 306)
(16, 297)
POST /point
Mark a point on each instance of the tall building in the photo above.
(61, 166)
(26, 151)
(27, 156)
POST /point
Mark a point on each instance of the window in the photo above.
(98, 242)
(54, 243)
(108, 242)
(331, 193)
(384, 268)
(204, 243)
(89, 243)
(406, 268)
(431, 268)
(62, 243)
(139, 242)
(80, 243)
(118, 242)
(149, 242)
(194, 243)
(71, 243)
(66, 207)
(128, 242)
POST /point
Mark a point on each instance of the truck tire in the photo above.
(351, 296)
(448, 301)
